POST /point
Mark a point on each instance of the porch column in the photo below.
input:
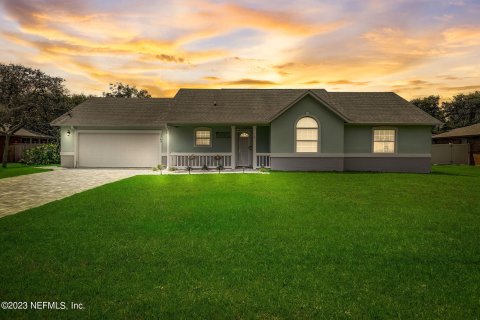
(254, 153)
(234, 154)
(168, 146)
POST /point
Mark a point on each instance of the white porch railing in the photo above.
(263, 160)
(198, 160)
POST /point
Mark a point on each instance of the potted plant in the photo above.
(204, 168)
(217, 160)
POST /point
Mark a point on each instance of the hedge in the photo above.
(43, 154)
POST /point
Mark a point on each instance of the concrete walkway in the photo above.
(29, 191)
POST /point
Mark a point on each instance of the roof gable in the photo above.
(318, 98)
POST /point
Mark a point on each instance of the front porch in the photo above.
(229, 147)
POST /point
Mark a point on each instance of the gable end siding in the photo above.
(330, 126)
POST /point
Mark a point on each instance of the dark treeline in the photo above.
(462, 110)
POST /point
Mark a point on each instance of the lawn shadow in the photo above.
(440, 173)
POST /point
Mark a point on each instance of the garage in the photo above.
(122, 149)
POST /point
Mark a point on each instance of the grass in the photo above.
(283, 245)
(18, 169)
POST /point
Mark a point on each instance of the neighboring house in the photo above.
(465, 135)
(22, 140)
(285, 129)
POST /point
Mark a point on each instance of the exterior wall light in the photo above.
(68, 133)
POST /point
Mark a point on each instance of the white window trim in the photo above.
(195, 137)
(395, 143)
(295, 134)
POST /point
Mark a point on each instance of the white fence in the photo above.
(198, 160)
(263, 160)
(450, 153)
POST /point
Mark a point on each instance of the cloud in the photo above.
(462, 36)
(448, 77)
(247, 81)
(169, 58)
(206, 43)
(228, 16)
(461, 88)
(349, 82)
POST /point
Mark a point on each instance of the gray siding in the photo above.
(388, 164)
(365, 163)
(182, 139)
(331, 127)
(410, 139)
(263, 139)
(66, 142)
(307, 164)
(67, 161)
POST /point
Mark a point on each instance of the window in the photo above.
(384, 141)
(307, 135)
(203, 137)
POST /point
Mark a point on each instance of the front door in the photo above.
(244, 152)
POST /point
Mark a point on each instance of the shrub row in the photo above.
(43, 154)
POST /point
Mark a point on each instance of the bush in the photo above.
(43, 154)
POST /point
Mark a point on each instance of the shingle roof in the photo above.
(242, 106)
(379, 107)
(473, 130)
(230, 105)
(117, 112)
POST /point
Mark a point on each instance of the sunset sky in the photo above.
(414, 48)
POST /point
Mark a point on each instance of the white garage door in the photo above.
(123, 150)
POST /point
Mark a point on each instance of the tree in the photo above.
(47, 113)
(120, 90)
(25, 95)
(463, 110)
(430, 105)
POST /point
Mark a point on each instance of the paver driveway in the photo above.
(29, 191)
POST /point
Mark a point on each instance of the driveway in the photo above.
(29, 191)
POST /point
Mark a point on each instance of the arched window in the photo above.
(307, 135)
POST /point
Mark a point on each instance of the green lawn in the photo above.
(18, 169)
(282, 245)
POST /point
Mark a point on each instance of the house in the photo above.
(285, 129)
(466, 135)
(22, 140)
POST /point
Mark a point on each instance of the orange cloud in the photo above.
(167, 45)
(247, 81)
(464, 36)
(349, 82)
